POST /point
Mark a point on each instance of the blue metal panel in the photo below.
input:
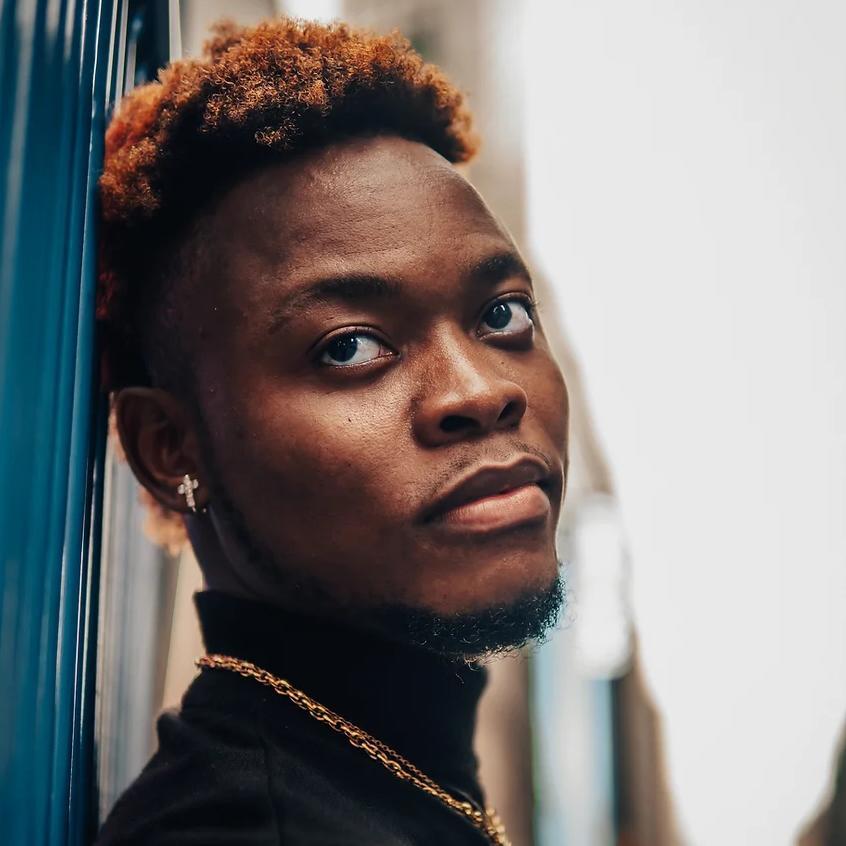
(54, 79)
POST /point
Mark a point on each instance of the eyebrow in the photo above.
(350, 287)
(367, 287)
(499, 266)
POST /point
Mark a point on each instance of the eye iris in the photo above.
(343, 349)
(499, 316)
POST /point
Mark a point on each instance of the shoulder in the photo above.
(207, 783)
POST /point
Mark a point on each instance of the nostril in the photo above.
(510, 412)
(455, 423)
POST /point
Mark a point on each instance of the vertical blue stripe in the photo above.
(54, 59)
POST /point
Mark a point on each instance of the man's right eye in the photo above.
(353, 348)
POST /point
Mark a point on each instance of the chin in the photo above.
(518, 612)
(494, 581)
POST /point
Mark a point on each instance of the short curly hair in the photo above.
(256, 94)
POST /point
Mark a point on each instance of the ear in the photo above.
(161, 444)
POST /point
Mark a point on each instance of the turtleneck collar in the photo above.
(421, 704)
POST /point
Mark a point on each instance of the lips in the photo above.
(489, 481)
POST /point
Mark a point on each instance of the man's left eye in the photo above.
(508, 316)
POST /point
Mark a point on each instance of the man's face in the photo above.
(363, 342)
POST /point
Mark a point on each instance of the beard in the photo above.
(479, 634)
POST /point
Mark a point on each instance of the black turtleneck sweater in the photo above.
(240, 764)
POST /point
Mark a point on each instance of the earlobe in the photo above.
(161, 446)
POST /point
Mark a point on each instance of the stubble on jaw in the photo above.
(479, 635)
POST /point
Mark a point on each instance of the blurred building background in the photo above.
(674, 174)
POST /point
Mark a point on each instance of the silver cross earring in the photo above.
(186, 489)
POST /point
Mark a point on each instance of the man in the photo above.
(327, 363)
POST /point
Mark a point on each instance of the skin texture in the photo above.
(315, 474)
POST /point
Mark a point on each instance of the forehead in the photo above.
(382, 205)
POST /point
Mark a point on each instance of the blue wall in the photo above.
(56, 76)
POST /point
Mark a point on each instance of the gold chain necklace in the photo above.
(487, 821)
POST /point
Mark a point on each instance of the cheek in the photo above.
(550, 402)
(317, 457)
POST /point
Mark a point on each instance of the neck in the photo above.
(420, 703)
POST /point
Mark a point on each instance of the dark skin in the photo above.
(326, 415)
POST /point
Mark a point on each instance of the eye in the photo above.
(353, 348)
(509, 316)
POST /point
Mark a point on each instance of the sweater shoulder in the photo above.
(206, 783)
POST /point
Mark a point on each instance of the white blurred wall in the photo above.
(687, 196)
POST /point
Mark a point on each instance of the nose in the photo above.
(465, 398)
